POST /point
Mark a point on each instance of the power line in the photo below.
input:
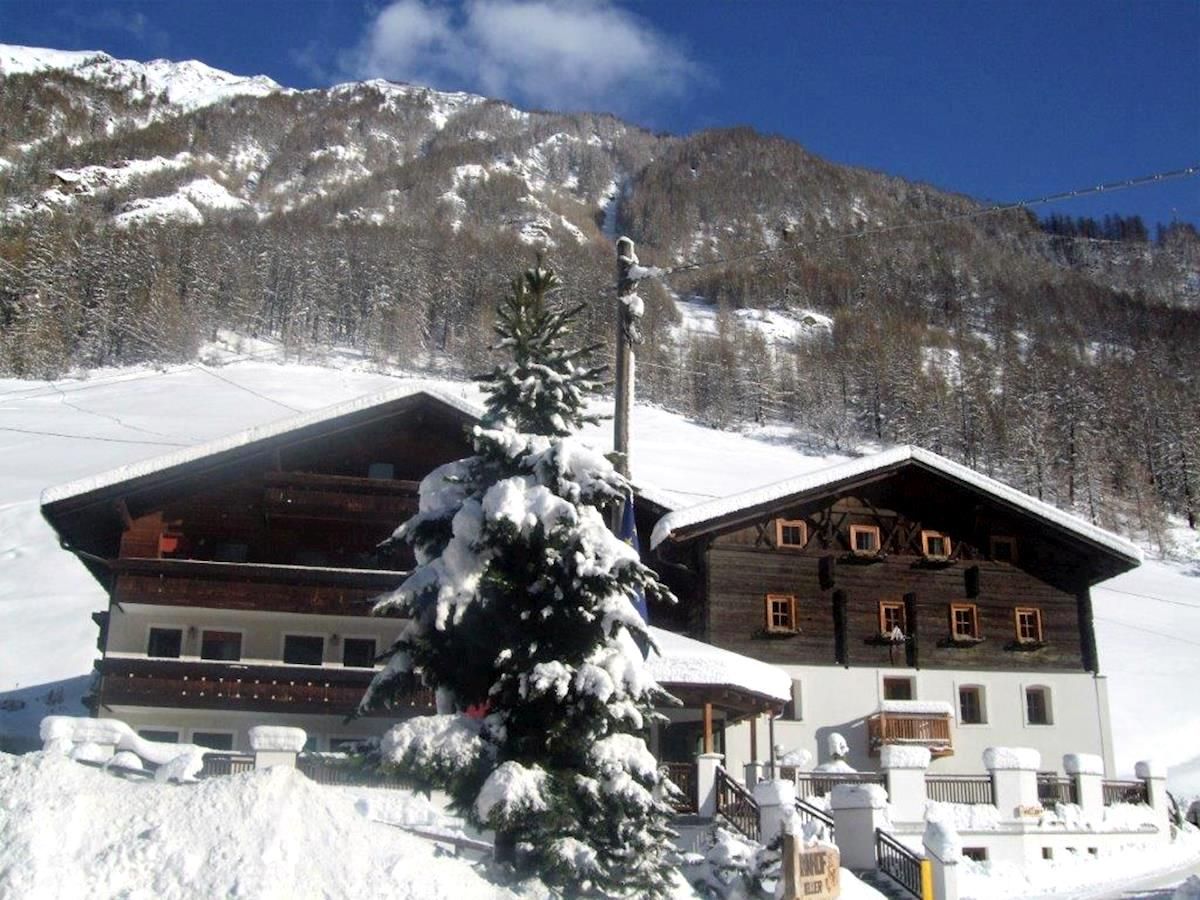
(91, 437)
(1182, 603)
(1110, 187)
(1161, 634)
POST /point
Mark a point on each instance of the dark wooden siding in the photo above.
(740, 577)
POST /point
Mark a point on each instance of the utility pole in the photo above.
(628, 313)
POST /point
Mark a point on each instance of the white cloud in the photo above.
(549, 53)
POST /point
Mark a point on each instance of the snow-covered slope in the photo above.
(1148, 621)
(186, 85)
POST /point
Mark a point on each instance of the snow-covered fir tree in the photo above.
(521, 617)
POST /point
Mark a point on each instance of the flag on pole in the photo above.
(628, 534)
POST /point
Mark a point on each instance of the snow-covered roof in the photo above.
(687, 661)
(683, 519)
(250, 436)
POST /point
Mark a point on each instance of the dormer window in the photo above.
(781, 614)
(791, 533)
(935, 545)
(864, 539)
(1004, 548)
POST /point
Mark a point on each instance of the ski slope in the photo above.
(1147, 621)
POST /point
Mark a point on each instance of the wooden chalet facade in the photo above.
(912, 601)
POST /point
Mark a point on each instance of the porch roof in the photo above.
(694, 670)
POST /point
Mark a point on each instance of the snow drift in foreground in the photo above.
(71, 831)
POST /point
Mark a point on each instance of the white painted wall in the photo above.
(838, 699)
(262, 631)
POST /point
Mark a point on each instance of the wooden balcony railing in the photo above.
(1054, 789)
(1125, 792)
(305, 495)
(818, 784)
(212, 585)
(737, 805)
(232, 686)
(918, 729)
(683, 776)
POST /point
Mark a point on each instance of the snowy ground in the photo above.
(1148, 621)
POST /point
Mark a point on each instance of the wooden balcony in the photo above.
(289, 589)
(913, 729)
(340, 498)
(233, 686)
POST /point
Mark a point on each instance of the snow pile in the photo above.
(965, 816)
(858, 796)
(1024, 758)
(1114, 817)
(1083, 764)
(900, 756)
(1189, 890)
(71, 831)
(681, 660)
(60, 733)
(941, 839)
(279, 738)
(1079, 874)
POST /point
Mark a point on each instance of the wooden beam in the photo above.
(754, 739)
(123, 511)
(708, 728)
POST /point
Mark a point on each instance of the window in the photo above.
(231, 551)
(935, 545)
(864, 539)
(303, 649)
(165, 643)
(221, 645)
(1004, 548)
(1029, 625)
(358, 653)
(213, 740)
(897, 689)
(781, 614)
(790, 533)
(1037, 706)
(892, 617)
(795, 709)
(964, 621)
(345, 745)
(159, 735)
(976, 854)
(970, 705)
(381, 470)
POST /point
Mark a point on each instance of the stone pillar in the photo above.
(943, 851)
(276, 745)
(776, 804)
(905, 769)
(858, 809)
(753, 774)
(1156, 791)
(1087, 771)
(1014, 779)
(706, 783)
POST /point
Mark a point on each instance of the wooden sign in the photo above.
(810, 873)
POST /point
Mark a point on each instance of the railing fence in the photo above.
(1054, 789)
(1125, 792)
(899, 862)
(960, 788)
(683, 775)
(737, 805)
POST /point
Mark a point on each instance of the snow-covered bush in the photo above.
(522, 610)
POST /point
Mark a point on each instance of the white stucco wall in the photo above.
(837, 699)
(262, 631)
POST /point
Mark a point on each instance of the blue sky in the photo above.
(1003, 100)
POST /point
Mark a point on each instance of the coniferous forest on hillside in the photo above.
(1060, 355)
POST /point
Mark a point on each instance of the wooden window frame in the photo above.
(954, 632)
(856, 530)
(1003, 539)
(769, 607)
(1037, 618)
(1047, 705)
(898, 679)
(981, 699)
(233, 742)
(781, 524)
(892, 604)
(927, 535)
